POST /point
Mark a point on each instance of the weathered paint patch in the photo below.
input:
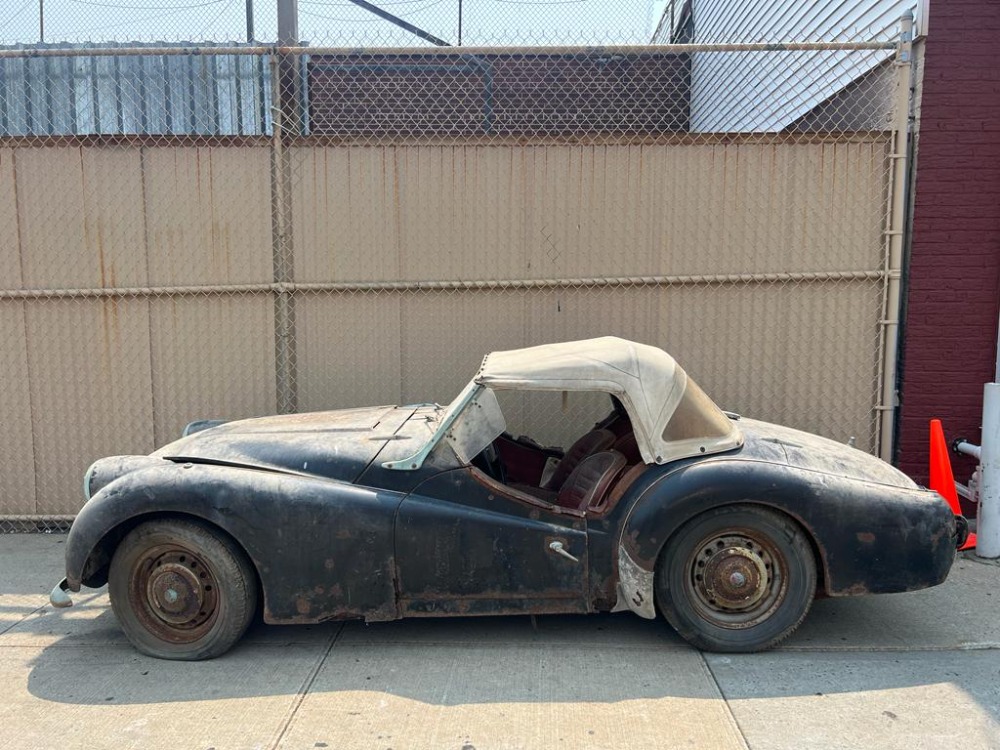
(635, 587)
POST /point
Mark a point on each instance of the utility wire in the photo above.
(305, 12)
(131, 21)
(119, 6)
(16, 13)
(540, 3)
(227, 6)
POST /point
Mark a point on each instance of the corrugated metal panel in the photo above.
(96, 238)
(528, 212)
(211, 357)
(92, 377)
(144, 95)
(15, 403)
(741, 91)
(91, 390)
(517, 212)
(342, 336)
(18, 447)
(10, 257)
(199, 230)
(769, 350)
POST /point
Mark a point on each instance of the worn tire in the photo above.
(181, 590)
(744, 551)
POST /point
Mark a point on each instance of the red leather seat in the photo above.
(590, 481)
(592, 442)
(628, 447)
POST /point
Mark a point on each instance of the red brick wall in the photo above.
(949, 344)
(364, 95)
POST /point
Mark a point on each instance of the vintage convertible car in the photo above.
(728, 526)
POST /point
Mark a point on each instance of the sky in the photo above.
(333, 22)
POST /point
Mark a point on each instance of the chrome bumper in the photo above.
(59, 598)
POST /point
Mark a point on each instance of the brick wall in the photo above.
(949, 345)
(363, 96)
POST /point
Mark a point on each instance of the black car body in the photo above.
(379, 513)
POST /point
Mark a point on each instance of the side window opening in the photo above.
(561, 447)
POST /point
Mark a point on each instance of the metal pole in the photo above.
(639, 50)
(397, 21)
(894, 238)
(996, 375)
(459, 23)
(281, 229)
(288, 79)
(41, 20)
(288, 22)
(250, 33)
(988, 528)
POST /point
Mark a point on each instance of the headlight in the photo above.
(86, 480)
(106, 470)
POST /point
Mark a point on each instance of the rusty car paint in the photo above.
(914, 527)
(460, 545)
(635, 587)
(287, 525)
(335, 445)
(334, 535)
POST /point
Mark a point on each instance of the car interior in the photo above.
(590, 476)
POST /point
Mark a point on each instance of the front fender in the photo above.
(322, 549)
(870, 538)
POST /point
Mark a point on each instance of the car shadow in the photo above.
(549, 659)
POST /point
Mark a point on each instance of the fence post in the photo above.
(889, 338)
(281, 225)
(988, 536)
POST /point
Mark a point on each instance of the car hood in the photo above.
(332, 444)
(814, 453)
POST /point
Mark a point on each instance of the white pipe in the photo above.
(889, 336)
(996, 376)
(968, 449)
(988, 530)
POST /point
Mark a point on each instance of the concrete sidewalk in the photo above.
(915, 670)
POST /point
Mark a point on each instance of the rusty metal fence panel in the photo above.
(181, 238)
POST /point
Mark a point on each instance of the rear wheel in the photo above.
(181, 590)
(736, 578)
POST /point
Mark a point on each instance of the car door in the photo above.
(468, 545)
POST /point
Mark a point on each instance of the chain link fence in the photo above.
(236, 228)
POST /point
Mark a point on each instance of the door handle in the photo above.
(558, 548)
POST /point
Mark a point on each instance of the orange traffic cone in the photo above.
(942, 480)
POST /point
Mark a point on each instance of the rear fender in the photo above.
(868, 538)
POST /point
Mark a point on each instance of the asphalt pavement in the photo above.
(919, 670)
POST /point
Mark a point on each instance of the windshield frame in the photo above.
(451, 414)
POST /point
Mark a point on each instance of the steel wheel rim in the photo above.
(736, 579)
(174, 593)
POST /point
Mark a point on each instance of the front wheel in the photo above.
(738, 578)
(181, 590)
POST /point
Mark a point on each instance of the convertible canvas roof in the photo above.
(647, 380)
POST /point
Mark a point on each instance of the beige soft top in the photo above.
(671, 415)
